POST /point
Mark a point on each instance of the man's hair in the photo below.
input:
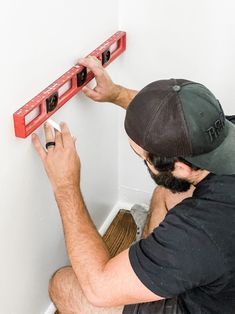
(168, 163)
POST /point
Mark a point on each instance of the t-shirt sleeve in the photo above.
(176, 257)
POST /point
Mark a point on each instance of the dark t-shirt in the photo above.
(192, 253)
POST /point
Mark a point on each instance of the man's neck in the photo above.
(198, 176)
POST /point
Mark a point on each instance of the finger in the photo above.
(91, 93)
(49, 135)
(74, 141)
(38, 146)
(89, 61)
(94, 65)
(58, 139)
(83, 62)
(66, 135)
(101, 76)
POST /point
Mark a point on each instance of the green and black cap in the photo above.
(181, 118)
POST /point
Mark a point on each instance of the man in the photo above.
(186, 262)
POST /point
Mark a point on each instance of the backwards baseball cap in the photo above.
(180, 118)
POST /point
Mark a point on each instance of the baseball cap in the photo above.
(181, 118)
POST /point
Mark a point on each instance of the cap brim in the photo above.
(222, 159)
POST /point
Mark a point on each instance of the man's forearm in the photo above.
(86, 249)
(123, 96)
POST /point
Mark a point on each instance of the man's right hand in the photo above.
(105, 90)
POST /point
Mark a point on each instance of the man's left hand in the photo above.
(61, 160)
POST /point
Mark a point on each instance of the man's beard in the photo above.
(166, 179)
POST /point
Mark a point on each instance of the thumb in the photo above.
(89, 92)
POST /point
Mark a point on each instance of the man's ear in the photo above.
(182, 170)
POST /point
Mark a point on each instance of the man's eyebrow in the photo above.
(136, 152)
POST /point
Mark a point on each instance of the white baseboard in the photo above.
(119, 205)
(112, 214)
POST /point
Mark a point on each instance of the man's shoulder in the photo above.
(212, 216)
(217, 189)
(231, 118)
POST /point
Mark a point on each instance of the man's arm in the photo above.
(106, 90)
(104, 281)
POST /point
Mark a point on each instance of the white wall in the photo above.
(174, 39)
(40, 40)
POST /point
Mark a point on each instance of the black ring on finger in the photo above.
(50, 144)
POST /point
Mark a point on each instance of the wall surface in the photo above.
(173, 39)
(39, 42)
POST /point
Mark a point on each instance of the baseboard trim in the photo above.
(112, 214)
(119, 205)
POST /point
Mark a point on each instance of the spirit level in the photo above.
(29, 117)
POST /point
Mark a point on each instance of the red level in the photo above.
(41, 107)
